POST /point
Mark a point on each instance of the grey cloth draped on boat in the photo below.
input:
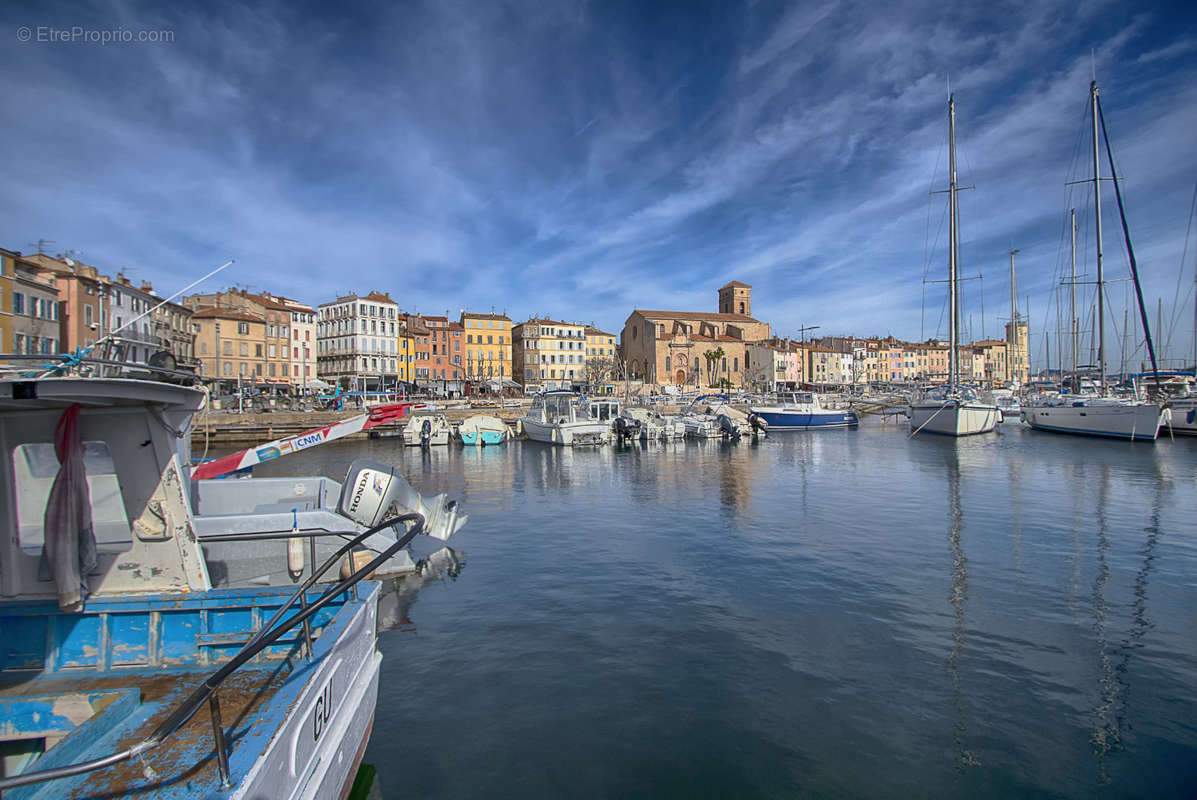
(69, 551)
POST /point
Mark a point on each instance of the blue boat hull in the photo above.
(803, 420)
(488, 437)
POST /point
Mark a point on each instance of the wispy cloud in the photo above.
(582, 161)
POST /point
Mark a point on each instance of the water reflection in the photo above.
(957, 597)
(1105, 737)
(399, 594)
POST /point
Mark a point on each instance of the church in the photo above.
(672, 347)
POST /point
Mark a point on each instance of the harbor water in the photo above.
(819, 614)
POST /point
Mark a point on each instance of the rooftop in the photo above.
(213, 312)
(736, 284)
(697, 315)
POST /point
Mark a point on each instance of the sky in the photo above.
(579, 160)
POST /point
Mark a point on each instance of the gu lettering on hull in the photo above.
(323, 712)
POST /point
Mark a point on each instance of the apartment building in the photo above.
(357, 342)
(79, 294)
(446, 354)
(125, 320)
(487, 346)
(230, 344)
(34, 321)
(550, 354)
(8, 276)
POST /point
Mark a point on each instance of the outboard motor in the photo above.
(759, 425)
(728, 427)
(626, 430)
(426, 433)
(372, 492)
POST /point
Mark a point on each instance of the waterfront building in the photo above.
(775, 365)
(827, 366)
(173, 328)
(229, 344)
(601, 367)
(994, 352)
(276, 342)
(79, 295)
(551, 354)
(420, 359)
(33, 302)
(357, 342)
(302, 324)
(693, 347)
(1017, 361)
(406, 347)
(446, 359)
(488, 343)
(8, 277)
(125, 321)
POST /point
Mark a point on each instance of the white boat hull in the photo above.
(1139, 422)
(438, 435)
(568, 434)
(953, 418)
(1184, 416)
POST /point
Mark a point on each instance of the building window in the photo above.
(243, 328)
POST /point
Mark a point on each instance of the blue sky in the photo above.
(583, 159)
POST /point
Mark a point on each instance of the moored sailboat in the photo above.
(952, 410)
(1101, 414)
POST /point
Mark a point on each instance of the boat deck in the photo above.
(127, 708)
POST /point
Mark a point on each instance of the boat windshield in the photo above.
(557, 407)
(797, 398)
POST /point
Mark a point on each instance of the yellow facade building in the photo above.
(488, 346)
(7, 280)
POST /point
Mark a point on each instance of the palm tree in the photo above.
(713, 357)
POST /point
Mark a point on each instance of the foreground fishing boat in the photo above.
(954, 409)
(1102, 414)
(561, 417)
(124, 672)
(795, 411)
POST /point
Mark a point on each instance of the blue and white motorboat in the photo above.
(798, 411)
(482, 429)
(123, 671)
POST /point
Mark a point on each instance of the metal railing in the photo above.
(263, 638)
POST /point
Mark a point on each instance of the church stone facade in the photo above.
(694, 348)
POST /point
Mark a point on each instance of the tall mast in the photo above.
(1101, 282)
(1076, 333)
(953, 298)
(1013, 338)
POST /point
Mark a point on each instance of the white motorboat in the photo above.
(482, 429)
(952, 410)
(699, 419)
(802, 411)
(648, 424)
(426, 430)
(560, 417)
(711, 416)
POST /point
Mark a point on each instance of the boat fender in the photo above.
(295, 550)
